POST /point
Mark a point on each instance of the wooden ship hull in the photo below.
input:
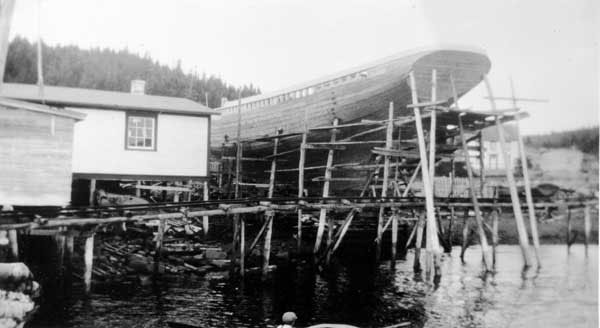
(353, 95)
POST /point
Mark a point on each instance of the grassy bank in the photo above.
(551, 231)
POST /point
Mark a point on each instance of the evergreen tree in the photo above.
(107, 69)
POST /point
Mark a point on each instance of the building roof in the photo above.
(491, 133)
(89, 98)
(16, 104)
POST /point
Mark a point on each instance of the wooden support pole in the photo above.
(450, 225)
(69, 250)
(92, 191)
(242, 246)
(570, 238)
(495, 239)
(239, 149)
(419, 243)
(162, 226)
(465, 235)
(432, 130)
(452, 178)
(301, 187)
(394, 238)
(14, 244)
(481, 166)
(386, 173)
(189, 193)
(205, 191)
(472, 192)
(88, 260)
(522, 231)
(433, 246)
(528, 195)
(235, 241)
(587, 227)
(267, 245)
(323, 212)
(270, 215)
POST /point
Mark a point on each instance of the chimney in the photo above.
(138, 87)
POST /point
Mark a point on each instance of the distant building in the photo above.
(130, 136)
(36, 153)
(493, 163)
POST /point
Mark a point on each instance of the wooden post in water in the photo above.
(514, 196)
(418, 243)
(301, 186)
(162, 225)
(527, 181)
(386, 174)
(394, 238)
(205, 191)
(14, 244)
(495, 239)
(69, 248)
(269, 216)
(88, 260)
(450, 225)
(472, 192)
(587, 226)
(242, 246)
(487, 260)
(267, 246)
(323, 213)
(465, 235)
(569, 229)
(433, 246)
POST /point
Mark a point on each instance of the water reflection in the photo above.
(561, 294)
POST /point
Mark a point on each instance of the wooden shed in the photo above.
(36, 148)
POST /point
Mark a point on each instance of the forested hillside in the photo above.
(107, 69)
(585, 139)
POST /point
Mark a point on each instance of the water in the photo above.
(564, 293)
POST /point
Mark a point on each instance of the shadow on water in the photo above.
(352, 291)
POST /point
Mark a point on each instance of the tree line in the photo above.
(585, 139)
(112, 70)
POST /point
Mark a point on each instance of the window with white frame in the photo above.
(141, 132)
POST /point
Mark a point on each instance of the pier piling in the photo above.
(88, 260)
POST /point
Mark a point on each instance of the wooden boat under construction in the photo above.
(363, 92)
(352, 99)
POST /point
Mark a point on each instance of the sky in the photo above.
(548, 47)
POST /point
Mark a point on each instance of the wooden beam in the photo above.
(164, 188)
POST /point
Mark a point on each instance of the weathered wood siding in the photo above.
(35, 158)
